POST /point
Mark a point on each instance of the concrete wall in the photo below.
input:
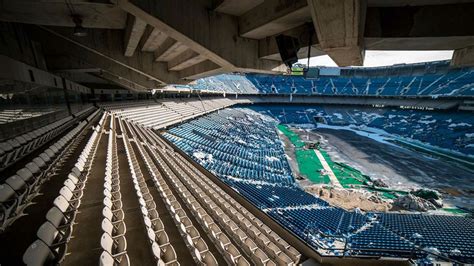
(16, 43)
(416, 102)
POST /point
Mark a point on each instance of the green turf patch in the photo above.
(294, 138)
(454, 210)
(347, 176)
(310, 166)
(308, 163)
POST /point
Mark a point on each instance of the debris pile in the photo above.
(379, 183)
(350, 198)
(430, 195)
(411, 202)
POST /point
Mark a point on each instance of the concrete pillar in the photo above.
(340, 28)
(463, 57)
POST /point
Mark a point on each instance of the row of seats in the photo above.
(451, 83)
(161, 114)
(125, 104)
(13, 149)
(263, 252)
(54, 234)
(113, 239)
(233, 207)
(448, 233)
(251, 237)
(18, 190)
(231, 253)
(11, 115)
(226, 83)
(197, 246)
(160, 244)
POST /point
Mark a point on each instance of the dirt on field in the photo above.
(290, 153)
(399, 167)
(350, 199)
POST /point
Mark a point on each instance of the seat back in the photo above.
(66, 193)
(55, 217)
(61, 203)
(37, 254)
(106, 259)
(48, 233)
(106, 242)
(25, 174)
(6, 193)
(16, 182)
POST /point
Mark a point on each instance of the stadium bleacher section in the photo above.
(446, 129)
(329, 230)
(231, 83)
(18, 190)
(129, 199)
(158, 114)
(122, 195)
(457, 82)
(13, 149)
(18, 113)
(260, 160)
(430, 79)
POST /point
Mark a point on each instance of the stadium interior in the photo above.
(177, 132)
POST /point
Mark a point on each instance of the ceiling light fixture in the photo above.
(79, 30)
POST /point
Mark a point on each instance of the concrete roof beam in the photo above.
(463, 57)
(103, 49)
(235, 7)
(73, 63)
(153, 39)
(340, 29)
(273, 17)
(211, 34)
(184, 60)
(201, 70)
(133, 33)
(123, 82)
(169, 50)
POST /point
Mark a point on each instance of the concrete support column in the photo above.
(463, 57)
(340, 28)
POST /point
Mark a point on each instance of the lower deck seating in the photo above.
(182, 217)
(232, 148)
(227, 145)
(54, 234)
(254, 244)
(17, 190)
(14, 149)
(164, 113)
(16, 113)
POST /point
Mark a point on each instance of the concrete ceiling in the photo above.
(151, 43)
